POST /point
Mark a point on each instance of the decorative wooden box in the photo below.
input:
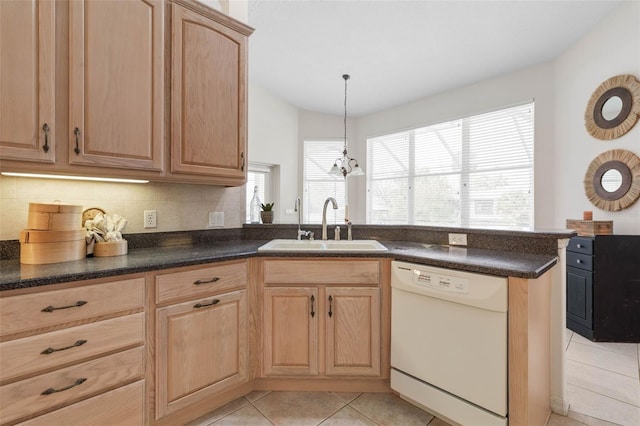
(589, 228)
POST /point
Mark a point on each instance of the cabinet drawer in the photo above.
(201, 281)
(68, 385)
(582, 261)
(321, 271)
(49, 350)
(30, 312)
(121, 406)
(581, 245)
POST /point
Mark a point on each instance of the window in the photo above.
(260, 176)
(473, 172)
(319, 156)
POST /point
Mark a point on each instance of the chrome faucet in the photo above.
(324, 215)
(301, 233)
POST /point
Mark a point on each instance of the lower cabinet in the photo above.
(201, 343)
(121, 406)
(72, 351)
(322, 329)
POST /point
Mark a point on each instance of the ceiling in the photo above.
(398, 51)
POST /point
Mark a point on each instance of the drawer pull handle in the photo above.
(52, 350)
(204, 305)
(330, 306)
(52, 390)
(313, 299)
(212, 280)
(75, 305)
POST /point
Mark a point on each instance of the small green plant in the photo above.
(267, 207)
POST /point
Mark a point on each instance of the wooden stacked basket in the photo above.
(54, 234)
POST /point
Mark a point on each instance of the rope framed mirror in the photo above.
(614, 107)
(612, 181)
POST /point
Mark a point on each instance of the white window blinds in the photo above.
(473, 172)
(319, 156)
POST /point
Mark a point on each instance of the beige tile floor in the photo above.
(603, 380)
(337, 409)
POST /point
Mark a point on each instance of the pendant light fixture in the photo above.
(347, 165)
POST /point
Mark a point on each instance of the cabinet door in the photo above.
(27, 85)
(208, 97)
(116, 83)
(580, 296)
(201, 349)
(290, 331)
(353, 331)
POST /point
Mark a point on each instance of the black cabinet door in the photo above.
(580, 297)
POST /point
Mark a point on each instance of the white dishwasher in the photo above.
(449, 342)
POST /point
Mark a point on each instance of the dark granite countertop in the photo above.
(488, 261)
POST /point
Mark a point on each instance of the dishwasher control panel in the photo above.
(441, 282)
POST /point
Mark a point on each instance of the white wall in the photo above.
(273, 140)
(612, 48)
(561, 89)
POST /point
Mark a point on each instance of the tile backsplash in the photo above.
(180, 207)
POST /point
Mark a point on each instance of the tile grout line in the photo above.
(607, 371)
(604, 396)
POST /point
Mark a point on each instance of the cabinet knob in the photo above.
(579, 246)
(578, 261)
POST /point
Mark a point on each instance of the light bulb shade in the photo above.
(335, 171)
(357, 171)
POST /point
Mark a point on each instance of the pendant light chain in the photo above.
(348, 165)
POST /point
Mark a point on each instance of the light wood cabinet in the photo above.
(353, 331)
(72, 342)
(96, 73)
(27, 86)
(201, 343)
(291, 331)
(121, 406)
(116, 83)
(319, 327)
(208, 96)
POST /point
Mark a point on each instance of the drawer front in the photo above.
(49, 350)
(40, 311)
(121, 406)
(582, 261)
(68, 385)
(322, 271)
(200, 281)
(581, 245)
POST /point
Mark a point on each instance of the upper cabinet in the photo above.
(27, 84)
(116, 83)
(110, 81)
(208, 96)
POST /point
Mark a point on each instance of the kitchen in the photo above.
(560, 97)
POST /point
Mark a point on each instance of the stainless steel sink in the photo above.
(369, 246)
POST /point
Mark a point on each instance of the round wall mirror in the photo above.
(613, 108)
(612, 181)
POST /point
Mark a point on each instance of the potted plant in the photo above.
(267, 212)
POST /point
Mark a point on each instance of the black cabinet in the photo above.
(603, 287)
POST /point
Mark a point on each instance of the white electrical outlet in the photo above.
(216, 219)
(458, 239)
(150, 219)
